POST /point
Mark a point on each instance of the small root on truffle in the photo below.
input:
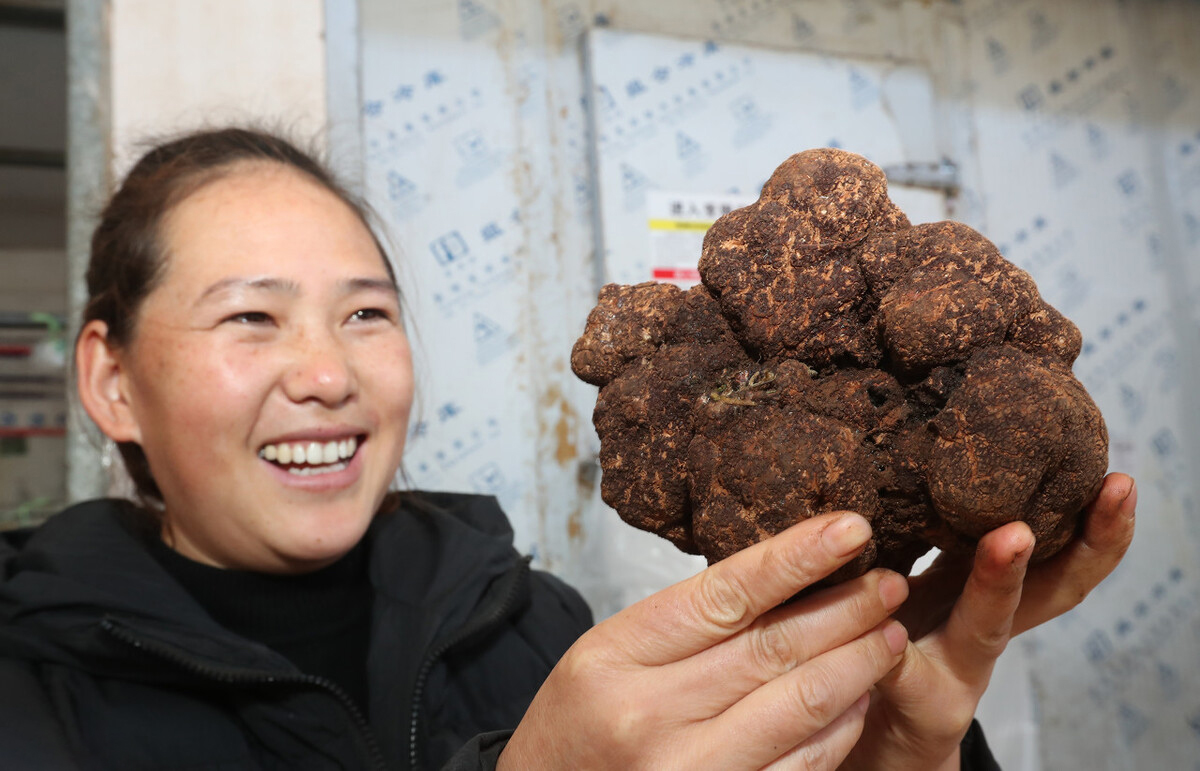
(742, 387)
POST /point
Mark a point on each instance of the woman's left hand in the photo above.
(921, 710)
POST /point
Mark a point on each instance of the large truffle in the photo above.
(837, 357)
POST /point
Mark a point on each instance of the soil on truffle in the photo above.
(836, 357)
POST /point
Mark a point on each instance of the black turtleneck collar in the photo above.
(320, 621)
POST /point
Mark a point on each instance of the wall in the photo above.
(1075, 126)
(182, 65)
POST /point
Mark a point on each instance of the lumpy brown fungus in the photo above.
(838, 357)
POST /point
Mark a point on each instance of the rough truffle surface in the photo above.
(837, 357)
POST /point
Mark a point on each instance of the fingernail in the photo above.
(1021, 558)
(893, 590)
(846, 534)
(896, 637)
(1131, 497)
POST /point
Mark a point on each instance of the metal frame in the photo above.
(89, 178)
(33, 158)
(32, 17)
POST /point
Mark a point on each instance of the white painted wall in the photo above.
(182, 65)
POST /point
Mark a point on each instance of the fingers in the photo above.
(726, 598)
(1061, 583)
(1052, 587)
(980, 625)
(794, 708)
(931, 695)
(830, 746)
(785, 638)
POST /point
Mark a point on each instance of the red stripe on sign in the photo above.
(676, 274)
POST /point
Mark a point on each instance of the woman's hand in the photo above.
(920, 711)
(715, 672)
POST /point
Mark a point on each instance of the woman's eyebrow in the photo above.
(264, 284)
(351, 285)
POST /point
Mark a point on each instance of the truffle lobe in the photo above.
(1008, 448)
(627, 323)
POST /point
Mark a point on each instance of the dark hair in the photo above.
(127, 259)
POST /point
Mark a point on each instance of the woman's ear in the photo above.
(100, 378)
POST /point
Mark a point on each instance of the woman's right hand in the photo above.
(715, 672)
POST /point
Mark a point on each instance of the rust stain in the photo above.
(566, 425)
(586, 477)
(558, 425)
(575, 525)
(565, 450)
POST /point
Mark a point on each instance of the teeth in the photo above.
(327, 454)
(310, 471)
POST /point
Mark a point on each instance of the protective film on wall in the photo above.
(697, 127)
(438, 149)
(490, 213)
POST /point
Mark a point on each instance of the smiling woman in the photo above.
(128, 248)
(243, 346)
(267, 603)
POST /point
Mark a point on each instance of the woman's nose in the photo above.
(319, 370)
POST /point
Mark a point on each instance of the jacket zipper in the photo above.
(467, 631)
(249, 677)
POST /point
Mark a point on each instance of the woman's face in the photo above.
(269, 376)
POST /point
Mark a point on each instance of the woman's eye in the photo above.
(370, 314)
(250, 317)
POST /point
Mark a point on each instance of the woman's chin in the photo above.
(322, 546)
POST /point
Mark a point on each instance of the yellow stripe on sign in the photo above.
(679, 225)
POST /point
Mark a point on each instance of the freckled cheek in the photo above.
(389, 377)
(214, 394)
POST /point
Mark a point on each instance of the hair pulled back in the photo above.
(127, 258)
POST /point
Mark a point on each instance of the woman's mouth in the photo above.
(311, 458)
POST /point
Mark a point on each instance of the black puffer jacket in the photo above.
(106, 662)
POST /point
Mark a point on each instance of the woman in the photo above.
(269, 605)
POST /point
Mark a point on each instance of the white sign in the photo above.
(677, 223)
